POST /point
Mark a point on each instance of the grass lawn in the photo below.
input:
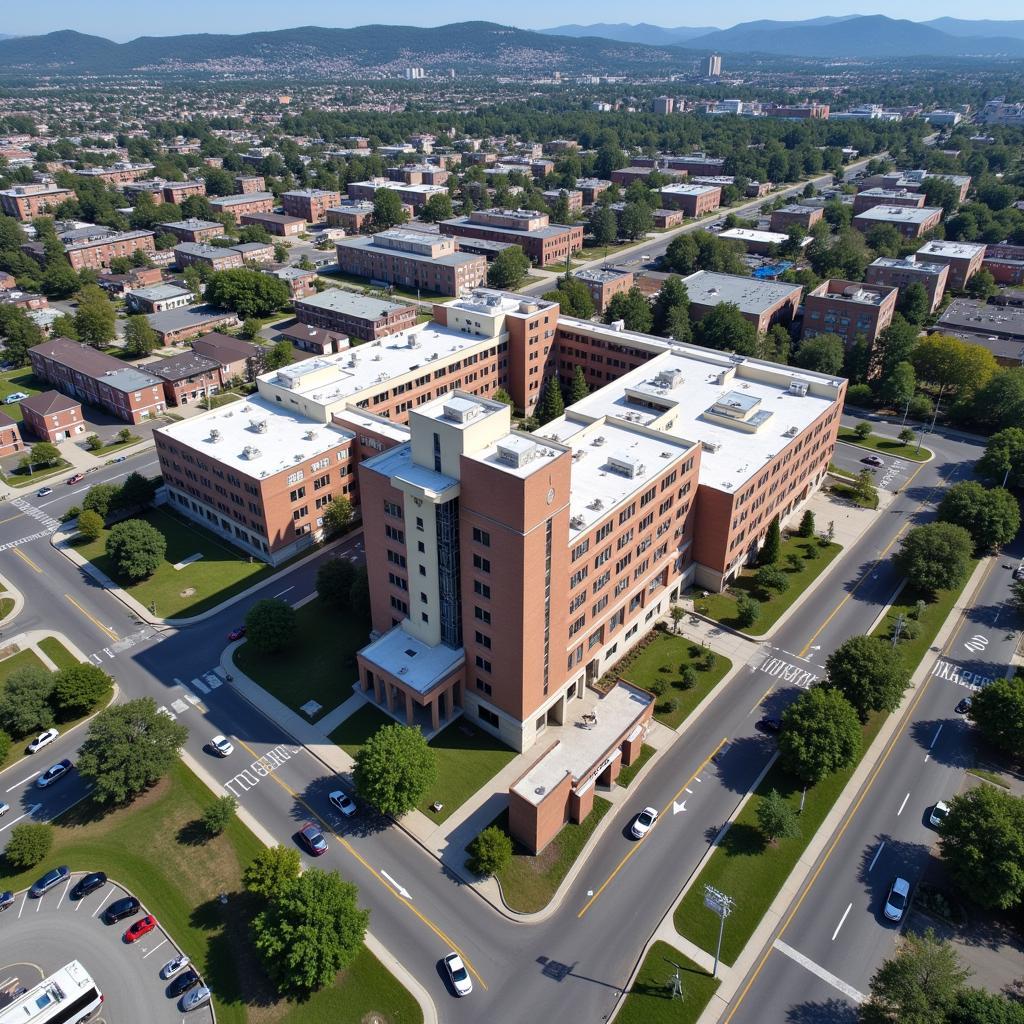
(224, 398)
(23, 659)
(364, 282)
(629, 773)
(57, 652)
(319, 665)
(467, 759)
(660, 663)
(179, 878)
(114, 446)
(751, 872)
(23, 478)
(814, 558)
(6, 607)
(886, 445)
(850, 494)
(529, 882)
(597, 252)
(649, 1000)
(222, 571)
(994, 777)
(358, 728)
(22, 379)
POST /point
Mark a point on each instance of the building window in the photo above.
(482, 614)
(488, 716)
(481, 588)
(481, 537)
(483, 639)
(483, 664)
(297, 494)
(483, 564)
(483, 687)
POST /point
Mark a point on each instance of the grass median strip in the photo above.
(650, 998)
(57, 652)
(885, 445)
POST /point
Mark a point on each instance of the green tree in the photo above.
(820, 734)
(501, 395)
(251, 328)
(998, 712)
(19, 334)
(249, 293)
(982, 844)
(270, 625)
(99, 497)
(748, 610)
(864, 489)
(897, 344)
(387, 209)
(771, 577)
(394, 769)
(129, 747)
(78, 689)
(776, 818)
(603, 225)
(725, 328)
(64, 327)
(136, 549)
(579, 388)
(60, 281)
(218, 815)
(490, 852)
(913, 303)
(573, 297)
(936, 556)
(671, 302)
(862, 430)
(823, 353)
(1003, 461)
(953, 365)
(279, 354)
(43, 453)
(1017, 595)
(1000, 403)
(551, 404)
(194, 281)
(338, 515)
(632, 308)
(139, 338)
(271, 871)
(28, 844)
(508, 269)
(359, 593)
(137, 492)
(334, 581)
(312, 929)
(807, 524)
(771, 549)
(869, 673)
(96, 317)
(982, 285)
(919, 985)
(636, 220)
(437, 208)
(990, 515)
(25, 702)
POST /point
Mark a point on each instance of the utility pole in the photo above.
(722, 905)
(897, 630)
(675, 983)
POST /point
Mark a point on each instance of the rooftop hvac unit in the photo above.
(792, 431)
(618, 325)
(598, 441)
(798, 387)
(626, 465)
(711, 446)
(214, 434)
(597, 504)
(577, 522)
(414, 342)
(260, 426)
(250, 452)
(309, 435)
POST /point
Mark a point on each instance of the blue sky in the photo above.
(121, 19)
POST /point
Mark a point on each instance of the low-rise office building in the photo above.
(309, 204)
(358, 316)
(177, 325)
(909, 221)
(158, 298)
(763, 303)
(694, 163)
(804, 216)
(26, 202)
(249, 183)
(693, 200)
(542, 241)
(604, 283)
(850, 309)
(625, 176)
(276, 223)
(759, 242)
(964, 259)
(420, 174)
(902, 272)
(51, 416)
(96, 253)
(1005, 263)
(996, 327)
(193, 229)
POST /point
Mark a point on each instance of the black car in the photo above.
(771, 725)
(182, 983)
(120, 909)
(963, 707)
(88, 884)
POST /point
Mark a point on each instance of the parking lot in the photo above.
(39, 936)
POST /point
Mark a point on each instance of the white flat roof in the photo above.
(907, 214)
(287, 439)
(419, 666)
(519, 454)
(765, 237)
(683, 189)
(957, 250)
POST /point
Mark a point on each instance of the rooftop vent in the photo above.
(517, 451)
(598, 441)
(596, 505)
(711, 446)
(577, 523)
(462, 410)
(627, 465)
(251, 452)
(414, 342)
(214, 434)
(260, 426)
(309, 435)
(670, 378)
(798, 387)
(792, 432)
(618, 325)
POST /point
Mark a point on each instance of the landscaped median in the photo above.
(885, 445)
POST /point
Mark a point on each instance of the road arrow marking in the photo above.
(678, 805)
(401, 890)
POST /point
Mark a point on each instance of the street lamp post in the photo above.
(722, 905)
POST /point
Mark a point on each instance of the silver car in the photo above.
(194, 999)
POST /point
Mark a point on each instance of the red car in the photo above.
(143, 926)
(236, 634)
(76, 479)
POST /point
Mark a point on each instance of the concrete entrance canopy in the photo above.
(559, 786)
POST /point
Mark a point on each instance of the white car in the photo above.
(173, 967)
(939, 812)
(897, 900)
(4, 808)
(341, 801)
(460, 979)
(194, 999)
(644, 822)
(16, 397)
(222, 745)
(44, 739)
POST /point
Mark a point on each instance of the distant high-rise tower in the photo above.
(714, 65)
(662, 104)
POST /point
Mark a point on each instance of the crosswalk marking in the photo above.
(41, 517)
(24, 540)
(200, 686)
(179, 705)
(212, 680)
(193, 700)
(219, 671)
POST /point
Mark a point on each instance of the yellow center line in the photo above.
(373, 871)
(664, 811)
(760, 700)
(10, 519)
(92, 618)
(853, 810)
(21, 554)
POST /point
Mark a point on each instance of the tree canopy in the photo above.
(820, 734)
(394, 769)
(135, 548)
(869, 673)
(990, 515)
(936, 556)
(249, 293)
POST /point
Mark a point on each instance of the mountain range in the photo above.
(479, 47)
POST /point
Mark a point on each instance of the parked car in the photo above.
(897, 900)
(312, 839)
(1018, 573)
(88, 884)
(121, 458)
(53, 773)
(963, 707)
(872, 460)
(462, 983)
(770, 725)
(143, 926)
(236, 634)
(6, 900)
(49, 880)
(644, 822)
(120, 909)
(76, 478)
(222, 746)
(43, 492)
(182, 983)
(194, 999)
(175, 966)
(938, 815)
(342, 802)
(44, 739)
(15, 396)
(4, 808)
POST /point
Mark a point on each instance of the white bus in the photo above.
(67, 996)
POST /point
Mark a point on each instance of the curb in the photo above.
(10, 590)
(875, 451)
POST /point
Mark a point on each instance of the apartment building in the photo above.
(26, 202)
(84, 373)
(759, 242)
(96, 253)
(244, 202)
(786, 216)
(412, 195)
(119, 173)
(157, 298)
(255, 252)
(625, 176)
(51, 416)
(177, 191)
(666, 218)
(420, 174)
(542, 241)
(694, 163)
(573, 197)
(412, 259)
(351, 214)
(309, 204)
(193, 229)
(909, 221)
(964, 259)
(693, 200)
(913, 181)
(358, 316)
(301, 283)
(213, 257)
(604, 283)
(315, 339)
(870, 197)
(234, 355)
(850, 309)
(901, 272)
(10, 437)
(762, 302)
(177, 325)
(249, 183)
(188, 377)
(276, 223)
(591, 188)
(1005, 263)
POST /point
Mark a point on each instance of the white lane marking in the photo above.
(193, 700)
(212, 681)
(842, 921)
(154, 949)
(878, 853)
(697, 778)
(902, 805)
(285, 591)
(936, 736)
(200, 686)
(219, 672)
(96, 658)
(827, 976)
(99, 906)
(64, 893)
(22, 907)
(688, 790)
(179, 705)
(23, 781)
(164, 711)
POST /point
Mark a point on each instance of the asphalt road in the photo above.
(565, 966)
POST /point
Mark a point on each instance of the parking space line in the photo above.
(64, 893)
(154, 949)
(200, 686)
(99, 906)
(22, 907)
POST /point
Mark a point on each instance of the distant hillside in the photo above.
(970, 29)
(470, 47)
(652, 35)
